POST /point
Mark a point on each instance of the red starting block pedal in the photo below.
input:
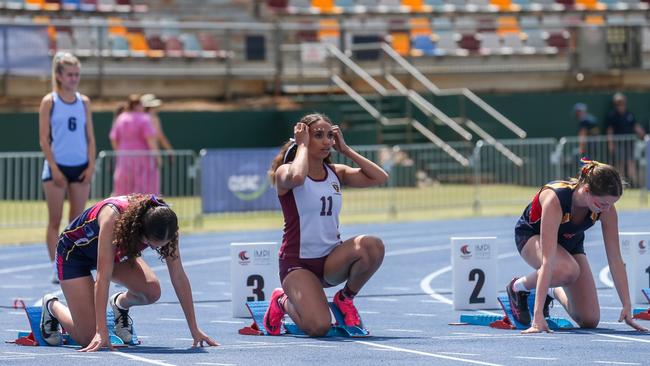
(34, 337)
(258, 308)
(640, 313)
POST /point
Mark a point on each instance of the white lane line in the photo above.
(459, 353)
(617, 363)
(393, 253)
(227, 321)
(197, 262)
(420, 353)
(622, 337)
(610, 341)
(28, 267)
(141, 359)
(416, 314)
(172, 319)
(382, 299)
(395, 288)
(368, 312)
(605, 278)
(404, 330)
(536, 358)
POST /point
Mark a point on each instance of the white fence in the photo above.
(422, 177)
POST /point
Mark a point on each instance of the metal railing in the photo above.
(422, 177)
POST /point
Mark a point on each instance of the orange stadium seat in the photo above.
(416, 5)
(589, 5)
(52, 5)
(115, 26)
(326, 6)
(34, 4)
(401, 42)
(419, 26)
(137, 43)
(328, 29)
(594, 20)
(507, 24)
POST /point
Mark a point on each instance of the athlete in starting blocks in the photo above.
(550, 237)
(109, 237)
(312, 255)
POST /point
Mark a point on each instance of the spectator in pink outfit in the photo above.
(133, 136)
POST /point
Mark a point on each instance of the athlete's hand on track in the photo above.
(339, 142)
(99, 340)
(201, 337)
(626, 315)
(301, 134)
(540, 326)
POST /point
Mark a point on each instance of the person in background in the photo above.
(133, 137)
(587, 127)
(66, 136)
(150, 104)
(621, 122)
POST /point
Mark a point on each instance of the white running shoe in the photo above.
(49, 324)
(123, 322)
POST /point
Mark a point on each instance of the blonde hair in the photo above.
(61, 60)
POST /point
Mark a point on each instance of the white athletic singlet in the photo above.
(68, 131)
(311, 217)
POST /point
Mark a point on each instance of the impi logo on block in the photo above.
(243, 257)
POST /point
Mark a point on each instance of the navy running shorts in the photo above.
(71, 173)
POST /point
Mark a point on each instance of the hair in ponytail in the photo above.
(603, 179)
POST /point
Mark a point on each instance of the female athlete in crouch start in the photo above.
(312, 255)
(550, 237)
(110, 237)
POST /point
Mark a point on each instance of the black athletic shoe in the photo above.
(518, 304)
(547, 305)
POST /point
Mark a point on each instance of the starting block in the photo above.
(508, 321)
(641, 313)
(258, 309)
(35, 338)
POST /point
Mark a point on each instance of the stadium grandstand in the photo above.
(471, 97)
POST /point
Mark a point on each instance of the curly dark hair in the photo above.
(147, 216)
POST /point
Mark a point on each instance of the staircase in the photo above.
(401, 115)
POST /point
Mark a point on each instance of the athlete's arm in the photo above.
(366, 175)
(609, 223)
(550, 224)
(105, 260)
(292, 175)
(90, 140)
(44, 134)
(184, 293)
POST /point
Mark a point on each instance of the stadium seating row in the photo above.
(445, 6)
(104, 6)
